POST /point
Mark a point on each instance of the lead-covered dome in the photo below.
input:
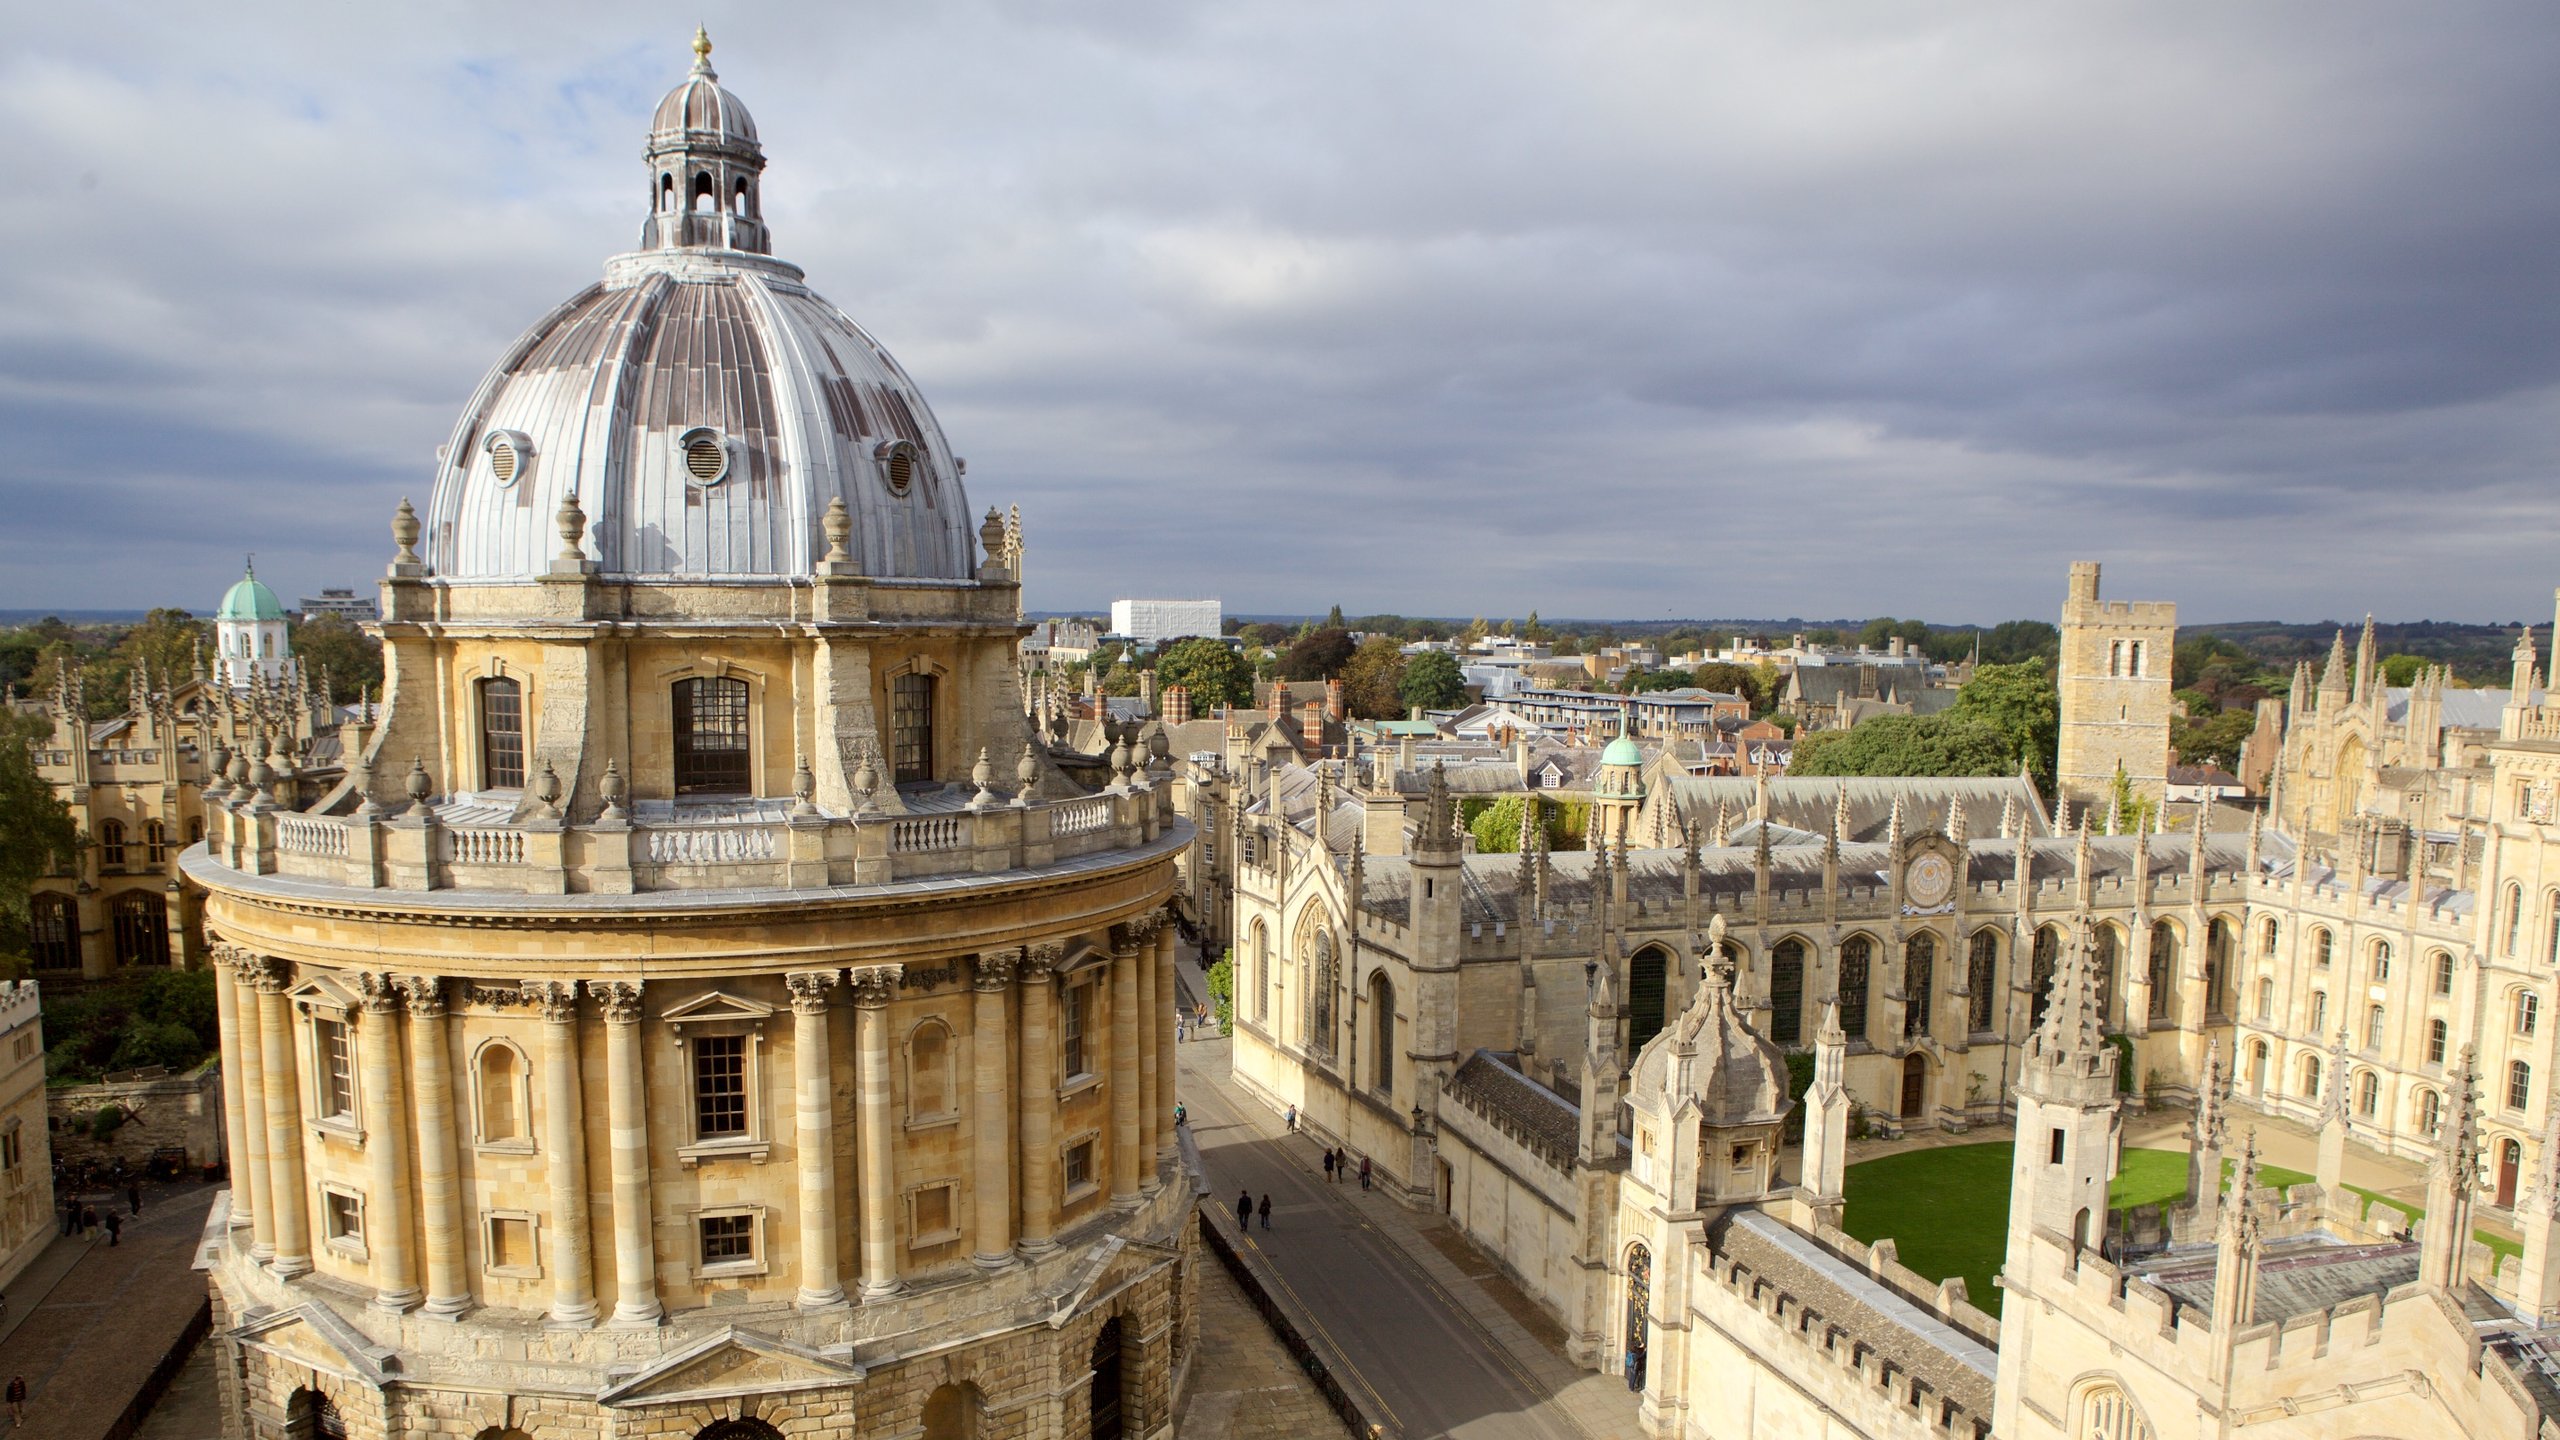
(703, 404)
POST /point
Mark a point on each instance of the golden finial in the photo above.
(701, 46)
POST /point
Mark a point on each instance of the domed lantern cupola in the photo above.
(706, 170)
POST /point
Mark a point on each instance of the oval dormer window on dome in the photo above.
(706, 455)
(899, 462)
(510, 452)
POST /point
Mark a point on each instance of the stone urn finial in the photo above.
(546, 788)
(991, 535)
(804, 787)
(866, 779)
(420, 787)
(573, 529)
(612, 789)
(1026, 774)
(839, 528)
(983, 775)
(404, 533)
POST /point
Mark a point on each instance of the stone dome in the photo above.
(1712, 1055)
(249, 599)
(1622, 751)
(702, 402)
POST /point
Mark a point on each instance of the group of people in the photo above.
(79, 1217)
(1337, 1167)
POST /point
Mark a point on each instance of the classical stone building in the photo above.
(1472, 1023)
(703, 1007)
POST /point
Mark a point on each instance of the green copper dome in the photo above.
(250, 600)
(1622, 751)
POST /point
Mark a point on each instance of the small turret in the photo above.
(1826, 1120)
(2453, 1179)
(2067, 1109)
(2235, 1259)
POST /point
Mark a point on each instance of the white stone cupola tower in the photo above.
(2068, 1121)
(249, 634)
(706, 169)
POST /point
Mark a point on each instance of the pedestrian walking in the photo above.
(1341, 1164)
(1293, 1119)
(133, 1196)
(1244, 1209)
(115, 1229)
(70, 1216)
(88, 1218)
(1181, 1115)
(1266, 1210)
(1364, 1172)
(17, 1401)
(1328, 1167)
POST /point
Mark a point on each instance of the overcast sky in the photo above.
(1599, 309)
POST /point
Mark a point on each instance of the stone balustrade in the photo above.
(398, 851)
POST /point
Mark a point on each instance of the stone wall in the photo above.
(160, 1109)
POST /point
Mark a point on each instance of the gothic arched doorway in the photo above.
(2510, 1161)
(1639, 1322)
(1106, 1382)
(1915, 1085)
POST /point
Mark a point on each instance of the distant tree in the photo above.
(167, 641)
(1948, 744)
(1884, 629)
(1474, 632)
(2017, 702)
(1497, 826)
(337, 645)
(2214, 739)
(2013, 641)
(1214, 674)
(1644, 682)
(35, 826)
(1317, 655)
(1822, 635)
(1333, 618)
(1373, 680)
(1433, 681)
(1746, 681)
(2402, 670)
(1532, 631)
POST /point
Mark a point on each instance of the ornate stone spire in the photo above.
(2071, 1039)
(2453, 1178)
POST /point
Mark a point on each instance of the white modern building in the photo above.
(1152, 622)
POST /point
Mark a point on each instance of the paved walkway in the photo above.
(1245, 1385)
(1416, 1324)
(89, 1322)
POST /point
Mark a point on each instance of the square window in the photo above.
(343, 1214)
(728, 1239)
(719, 1086)
(1079, 1165)
(932, 1222)
(510, 1242)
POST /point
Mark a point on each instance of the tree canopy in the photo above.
(1949, 744)
(35, 826)
(2018, 703)
(1373, 680)
(1433, 681)
(1496, 825)
(1214, 674)
(338, 647)
(1317, 655)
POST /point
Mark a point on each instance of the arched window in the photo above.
(2110, 946)
(951, 1412)
(2217, 967)
(2444, 973)
(195, 829)
(140, 921)
(738, 198)
(2164, 969)
(1382, 1035)
(932, 1092)
(2310, 1077)
(2266, 1000)
(911, 728)
(155, 843)
(2368, 1094)
(711, 736)
(53, 933)
(2048, 949)
(667, 194)
(1104, 1391)
(2438, 1035)
(2515, 915)
(1982, 978)
(2373, 1027)
(2430, 1112)
(743, 1428)
(111, 844)
(1919, 982)
(2107, 1413)
(308, 1415)
(2267, 937)
(2319, 1013)
(1648, 976)
(2551, 928)
(2381, 961)
(706, 196)
(1638, 1330)
(2519, 1084)
(2320, 946)
(501, 735)
(2257, 1067)
(2528, 1011)
(1786, 993)
(498, 1099)
(1262, 976)
(1320, 982)
(1855, 953)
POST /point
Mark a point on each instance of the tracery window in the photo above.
(1919, 982)
(54, 933)
(2048, 950)
(1786, 993)
(111, 844)
(1855, 953)
(1982, 973)
(140, 921)
(155, 843)
(2320, 946)
(2164, 969)
(1320, 1005)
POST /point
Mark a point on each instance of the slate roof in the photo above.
(1807, 803)
(2295, 1277)
(1527, 1111)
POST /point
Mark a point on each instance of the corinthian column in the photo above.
(813, 1070)
(564, 1143)
(1039, 1119)
(291, 1211)
(244, 1098)
(1142, 960)
(1125, 1067)
(873, 985)
(1168, 992)
(386, 1146)
(635, 1256)
(992, 1127)
(439, 1179)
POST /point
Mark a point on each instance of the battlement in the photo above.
(20, 1004)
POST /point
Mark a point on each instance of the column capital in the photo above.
(1039, 962)
(618, 1000)
(425, 994)
(557, 999)
(1138, 929)
(809, 990)
(264, 973)
(874, 985)
(377, 991)
(993, 971)
(231, 957)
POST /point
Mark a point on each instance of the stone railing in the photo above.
(548, 857)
